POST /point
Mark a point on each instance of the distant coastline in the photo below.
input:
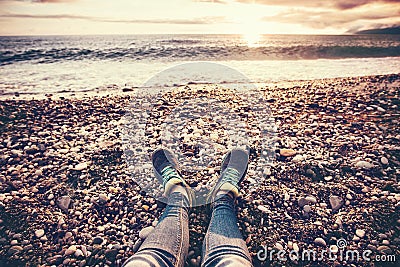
(389, 30)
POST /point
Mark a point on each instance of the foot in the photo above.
(233, 170)
(165, 167)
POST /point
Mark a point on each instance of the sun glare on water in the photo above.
(252, 39)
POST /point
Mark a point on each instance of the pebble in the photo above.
(336, 202)
(279, 246)
(263, 208)
(334, 249)
(64, 202)
(81, 166)
(97, 240)
(145, 232)
(364, 164)
(385, 249)
(360, 233)
(14, 249)
(287, 152)
(320, 242)
(384, 161)
(298, 158)
(71, 250)
(39, 233)
(307, 208)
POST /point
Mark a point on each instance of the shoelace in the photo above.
(231, 175)
(168, 173)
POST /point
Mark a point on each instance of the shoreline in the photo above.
(66, 195)
(127, 90)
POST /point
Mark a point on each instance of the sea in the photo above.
(69, 64)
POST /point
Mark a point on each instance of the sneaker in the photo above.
(233, 170)
(165, 167)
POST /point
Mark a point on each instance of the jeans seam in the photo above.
(180, 245)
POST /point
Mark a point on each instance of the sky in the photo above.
(251, 17)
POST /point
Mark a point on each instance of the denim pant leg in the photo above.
(223, 244)
(168, 244)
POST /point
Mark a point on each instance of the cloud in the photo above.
(201, 20)
(336, 4)
(320, 19)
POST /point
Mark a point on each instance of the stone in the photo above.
(79, 253)
(39, 233)
(336, 202)
(81, 166)
(385, 249)
(97, 240)
(111, 254)
(263, 208)
(71, 250)
(334, 249)
(14, 249)
(64, 202)
(307, 208)
(298, 158)
(384, 160)
(320, 242)
(360, 233)
(364, 164)
(145, 232)
(287, 152)
(279, 246)
(296, 247)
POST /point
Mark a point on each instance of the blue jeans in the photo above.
(168, 244)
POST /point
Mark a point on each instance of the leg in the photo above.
(168, 244)
(223, 244)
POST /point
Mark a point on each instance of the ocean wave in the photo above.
(197, 53)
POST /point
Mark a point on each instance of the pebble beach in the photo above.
(67, 197)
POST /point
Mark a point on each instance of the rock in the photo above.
(39, 233)
(298, 158)
(145, 232)
(263, 208)
(79, 253)
(385, 249)
(360, 233)
(81, 166)
(310, 173)
(71, 250)
(103, 198)
(296, 247)
(97, 240)
(320, 242)
(384, 161)
(287, 152)
(336, 202)
(334, 249)
(64, 202)
(14, 249)
(111, 254)
(311, 199)
(364, 164)
(279, 246)
(307, 208)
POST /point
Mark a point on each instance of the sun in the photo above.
(252, 39)
(251, 31)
